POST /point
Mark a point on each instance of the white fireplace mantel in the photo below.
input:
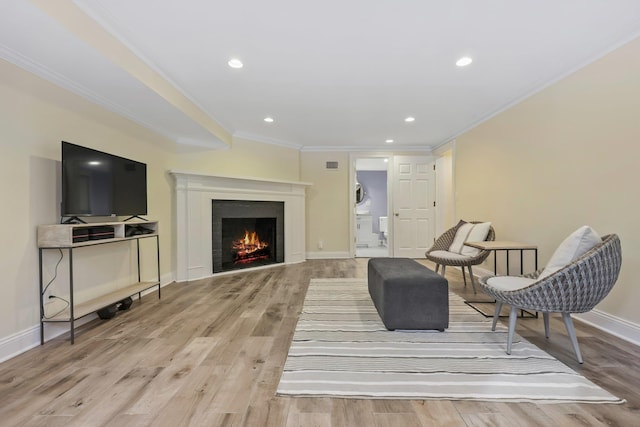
(194, 195)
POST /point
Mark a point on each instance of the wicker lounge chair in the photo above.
(439, 253)
(575, 288)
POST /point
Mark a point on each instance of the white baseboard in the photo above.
(328, 255)
(613, 325)
(15, 344)
(18, 343)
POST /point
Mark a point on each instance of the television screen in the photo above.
(130, 187)
(95, 183)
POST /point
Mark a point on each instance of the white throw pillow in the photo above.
(509, 283)
(459, 238)
(468, 232)
(573, 247)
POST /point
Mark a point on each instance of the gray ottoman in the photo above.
(408, 295)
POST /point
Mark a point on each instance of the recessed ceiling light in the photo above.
(410, 119)
(268, 119)
(386, 160)
(464, 61)
(235, 63)
(389, 141)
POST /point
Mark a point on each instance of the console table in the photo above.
(507, 246)
(72, 237)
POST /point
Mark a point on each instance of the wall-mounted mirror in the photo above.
(359, 193)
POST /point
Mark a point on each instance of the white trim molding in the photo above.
(613, 325)
(194, 195)
(25, 340)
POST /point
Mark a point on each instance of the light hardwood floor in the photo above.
(210, 353)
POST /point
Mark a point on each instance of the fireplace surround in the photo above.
(194, 195)
(246, 233)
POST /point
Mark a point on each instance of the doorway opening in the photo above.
(371, 207)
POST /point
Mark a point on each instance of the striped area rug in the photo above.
(341, 348)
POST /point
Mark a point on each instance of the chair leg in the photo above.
(496, 315)
(572, 335)
(437, 267)
(444, 267)
(513, 316)
(472, 282)
(464, 277)
(545, 316)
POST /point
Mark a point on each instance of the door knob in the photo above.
(397, 214)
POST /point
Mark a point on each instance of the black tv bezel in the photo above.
(116, 213)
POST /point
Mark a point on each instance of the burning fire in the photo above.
(248, 247)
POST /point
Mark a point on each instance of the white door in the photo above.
(413, 205)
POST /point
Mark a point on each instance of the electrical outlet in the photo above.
(320, 244)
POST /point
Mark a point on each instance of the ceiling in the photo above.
(332, 74)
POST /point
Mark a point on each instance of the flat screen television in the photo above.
(95, 183)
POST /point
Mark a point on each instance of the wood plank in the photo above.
(403, 419)
(165, 385)
(306, 419)
(194, 395)
(437, 412)
(272, 412)
(352, 412)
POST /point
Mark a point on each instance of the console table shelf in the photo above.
(71, 237)
(93, 305)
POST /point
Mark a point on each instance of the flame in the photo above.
(250, 241)
(248, 244)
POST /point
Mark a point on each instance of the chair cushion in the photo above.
(573, 247)
(446, 255)
(509, 283)
(468, 232)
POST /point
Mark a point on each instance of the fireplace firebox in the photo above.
(246, 234)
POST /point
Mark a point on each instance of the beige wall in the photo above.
(244, 158)
(327, 201)
(34, 117)
(565, 157)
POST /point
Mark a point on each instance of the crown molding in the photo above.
(352, 149)
(439, 149)
(317, 148)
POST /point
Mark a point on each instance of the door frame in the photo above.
(445, 186)
(352, 198)
(448, 148)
